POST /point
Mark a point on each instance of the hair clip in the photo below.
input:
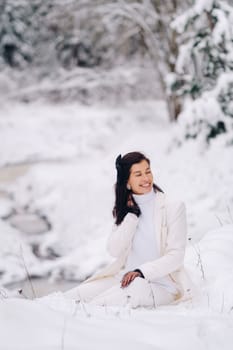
(118, 162)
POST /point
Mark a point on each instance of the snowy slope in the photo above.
(70, 176)
(70, 328)
(71, 150)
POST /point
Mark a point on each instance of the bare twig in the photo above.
(153, 296)
(223, 302)
(105, 308)
(128, 304)
(20, 291)
(27, 272)
(199, 261)
(229, 212)
(220, 222)
(76, 308)
(3, 294)
(63, 334)
(82, 304)
(208, 299)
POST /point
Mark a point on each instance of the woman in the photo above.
(148, 242)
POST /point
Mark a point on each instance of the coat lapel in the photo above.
(114, 267)
(158, 217)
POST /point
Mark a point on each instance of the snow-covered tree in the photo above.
(14, 46)
(53, 32)
(22, 30)
(204, 65)
(85, 33)
(146, 23)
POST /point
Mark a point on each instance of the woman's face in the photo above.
(141, 178)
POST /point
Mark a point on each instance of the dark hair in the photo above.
(122, 194)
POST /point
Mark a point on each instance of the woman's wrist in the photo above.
(140, 272)
(132, 216)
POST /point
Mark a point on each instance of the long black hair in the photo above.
(123, 196)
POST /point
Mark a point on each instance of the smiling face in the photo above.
(141, 178)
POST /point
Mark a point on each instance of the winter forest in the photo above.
(82, 81)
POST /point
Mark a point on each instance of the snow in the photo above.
(203, 114)
(196, 64)
(70, 151)
(63, 188)
(199, 8)
(126, 81)
(222, 28)
(58, 323)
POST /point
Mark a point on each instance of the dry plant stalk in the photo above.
(199, 260)
(27, 272)
(229, 213)
(83, 306)
(3, 294)
(63, 334)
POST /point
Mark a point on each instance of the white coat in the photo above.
(171, 232)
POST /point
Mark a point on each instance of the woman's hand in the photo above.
(131, 207)
(130, 201)
(129, 277)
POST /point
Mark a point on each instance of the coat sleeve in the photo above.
(173, 255)
(122, 235)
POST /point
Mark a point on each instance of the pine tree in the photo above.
(21, 29)
(14, 48)
(204, 66)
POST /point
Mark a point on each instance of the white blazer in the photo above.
(170, 223)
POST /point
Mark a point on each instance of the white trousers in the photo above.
(108, 292)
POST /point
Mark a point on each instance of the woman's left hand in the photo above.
(129, 277)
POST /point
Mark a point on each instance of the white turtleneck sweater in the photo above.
(144, 246)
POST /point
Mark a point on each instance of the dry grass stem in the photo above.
(3, 294)
(83, 305)
(63, 335)
(27, 272)
(199, 260)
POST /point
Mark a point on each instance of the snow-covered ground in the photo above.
(69, 151)
(63, 325)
